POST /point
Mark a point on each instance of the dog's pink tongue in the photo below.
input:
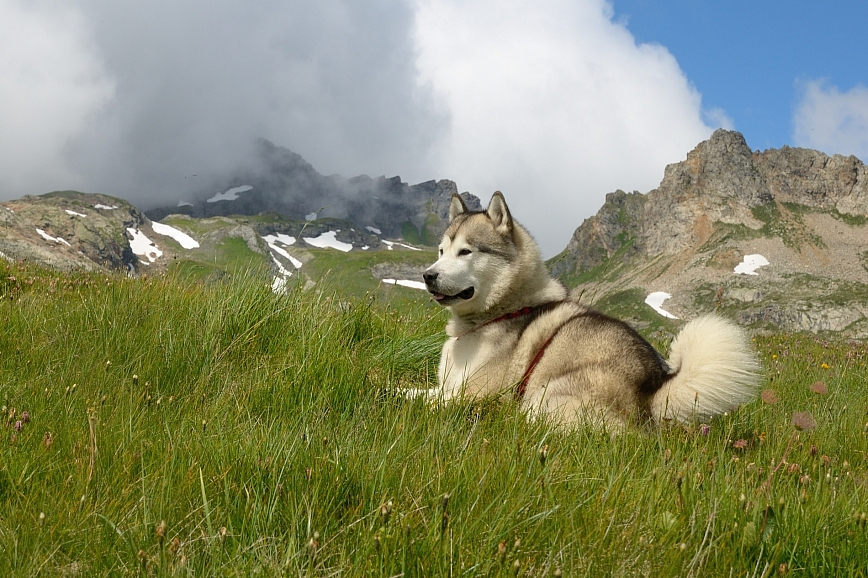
(437, 296)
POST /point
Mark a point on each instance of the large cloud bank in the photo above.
(552, 101)
(832, 121)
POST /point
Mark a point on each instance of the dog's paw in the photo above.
(425, 394)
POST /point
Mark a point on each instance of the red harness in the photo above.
(521, 388)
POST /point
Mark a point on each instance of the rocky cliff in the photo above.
(70, 230)
(804, 211)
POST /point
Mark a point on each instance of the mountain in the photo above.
(68, 230)
(804, 212)
(279, 213)
(281, 181)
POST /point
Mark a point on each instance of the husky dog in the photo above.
(515, 331)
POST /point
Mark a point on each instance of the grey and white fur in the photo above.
(515, 331)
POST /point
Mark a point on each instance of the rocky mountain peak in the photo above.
(724, 201)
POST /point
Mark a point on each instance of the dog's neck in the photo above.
(534, 291)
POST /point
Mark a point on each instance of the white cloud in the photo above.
(52, 81)
(832, 121)
(553, 103)
(717, 118)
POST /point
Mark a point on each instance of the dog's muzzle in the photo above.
(430, 278)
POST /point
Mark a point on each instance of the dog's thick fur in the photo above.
(586, 367)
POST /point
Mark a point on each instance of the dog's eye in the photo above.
(463, 252)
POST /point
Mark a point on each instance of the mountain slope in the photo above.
(806, 213)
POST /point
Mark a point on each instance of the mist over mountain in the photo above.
(281, 181)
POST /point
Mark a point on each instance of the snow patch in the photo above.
(286, 240)
(750, 264)
(374, 230)
(183, 239)
(229, 195)
(278, 285)
(184, 204)
(390, 243)
(310, 217)
(102, 207)
(142, 246)
(280, 238)
(48, 237)
(406, 283)
(656, 299)
(328, 240)
(73, 213)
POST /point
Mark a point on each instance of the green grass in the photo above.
(410, 233)
(194, 429)
(351, 272)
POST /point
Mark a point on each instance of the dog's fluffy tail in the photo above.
(714, 369)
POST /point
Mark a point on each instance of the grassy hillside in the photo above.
(166, 427)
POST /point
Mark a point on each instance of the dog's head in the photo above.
(475, 255)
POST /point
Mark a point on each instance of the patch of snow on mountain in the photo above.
(656, 299)
(750, 264)
(406, 283)
(310, 217)
(390, 243)
(280, 238)
(278, 285)
(184, 204)
(183, 239)
(328, 239)
(286, 240)
(374, 230)
(229, 195)
(295, 262)
(143, 246)
(102, 207)
(48, 237)
(73, 213)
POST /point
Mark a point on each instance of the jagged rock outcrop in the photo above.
(283, 182)
(804, 210)
(721, 181)
(70, 230)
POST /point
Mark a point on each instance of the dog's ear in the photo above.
(499, 214)
(456, 206)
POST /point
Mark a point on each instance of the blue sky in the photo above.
(752, 59)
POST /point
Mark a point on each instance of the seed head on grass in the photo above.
(501, 552)
(444, 520)
(313, 545)
(386, 512)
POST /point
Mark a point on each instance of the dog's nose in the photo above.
(429, 276)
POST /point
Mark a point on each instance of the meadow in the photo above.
(168, 427)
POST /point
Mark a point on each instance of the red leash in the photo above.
(522, 385)
(521, 388)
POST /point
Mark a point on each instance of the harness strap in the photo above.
(514, 314)
(522, 385)
(521, 388)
